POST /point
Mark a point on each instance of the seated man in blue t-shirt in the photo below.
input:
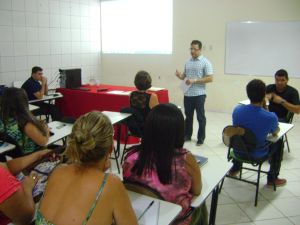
(36, 87)
(261, 122)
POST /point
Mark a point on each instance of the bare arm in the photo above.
(204, 80)
(123, 212)
(44, 90)
(35, 134)
(180, 75)
(19, 207)
(193, 170)
(276, 131)
(289, 106)
(153, 101)
(15, 166)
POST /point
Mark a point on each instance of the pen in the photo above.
(151, 203)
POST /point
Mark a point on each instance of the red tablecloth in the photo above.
(77, 102)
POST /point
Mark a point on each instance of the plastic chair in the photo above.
(244, 140)
(135, 125)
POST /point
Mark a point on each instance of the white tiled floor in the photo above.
(236, 201)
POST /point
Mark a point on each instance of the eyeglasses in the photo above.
(194, 49)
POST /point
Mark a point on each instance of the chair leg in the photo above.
(116, 158)
(287, 143)
(124, 149)
(221, 185)
(257, 184)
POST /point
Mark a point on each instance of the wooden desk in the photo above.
(48, 97)
(284, 128)
(212, 173)
(167, 210)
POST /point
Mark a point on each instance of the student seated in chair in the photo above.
(283, 98)
(16, 201)
(161, 162)
(261, 122)
(36, 87)
(81, 192)
(19, 124)
(140, 99)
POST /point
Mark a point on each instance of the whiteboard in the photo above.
(262, 48)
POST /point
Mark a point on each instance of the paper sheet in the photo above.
(156, 89)
(183, 86)
(119, 92)
(152, 214)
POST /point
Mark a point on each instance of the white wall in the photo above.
(204, 20)
(51, 34)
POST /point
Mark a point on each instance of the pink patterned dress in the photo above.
(177, 192)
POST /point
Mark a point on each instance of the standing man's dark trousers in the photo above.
(190, 105)
(47, 109)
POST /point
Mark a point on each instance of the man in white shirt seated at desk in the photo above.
(36, 87)
(261, 122)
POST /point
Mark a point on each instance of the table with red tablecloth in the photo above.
(78, 102)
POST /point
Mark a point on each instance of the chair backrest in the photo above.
(135, 123)
(239, 138)
(289, 117)
(142, 189)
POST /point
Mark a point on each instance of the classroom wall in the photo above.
(52, 34)
(203, 20)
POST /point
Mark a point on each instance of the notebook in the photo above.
(151, 216)
(201, 159)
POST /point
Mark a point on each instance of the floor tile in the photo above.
(262, 211)
(295, 220)
(230, 214)
(288, 206)
(280, 221)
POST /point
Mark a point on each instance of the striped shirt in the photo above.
(195, 69)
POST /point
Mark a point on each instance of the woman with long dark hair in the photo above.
(161, 162)
(18, 123)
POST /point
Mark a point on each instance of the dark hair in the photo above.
(256, 90)
(196, 42)
(282, 73)
(163, 135)
(14, 104)
(36, 69)
(142, 80)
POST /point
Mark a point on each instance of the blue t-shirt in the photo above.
(31, 86)
(260, 121)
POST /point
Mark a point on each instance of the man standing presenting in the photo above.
(197, 72)
(36, 87)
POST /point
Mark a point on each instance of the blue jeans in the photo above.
(190, 105)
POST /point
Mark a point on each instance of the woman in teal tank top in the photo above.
(80, 192)
(19, 124)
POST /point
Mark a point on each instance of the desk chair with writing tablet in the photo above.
(146, 190)
(244, 140)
